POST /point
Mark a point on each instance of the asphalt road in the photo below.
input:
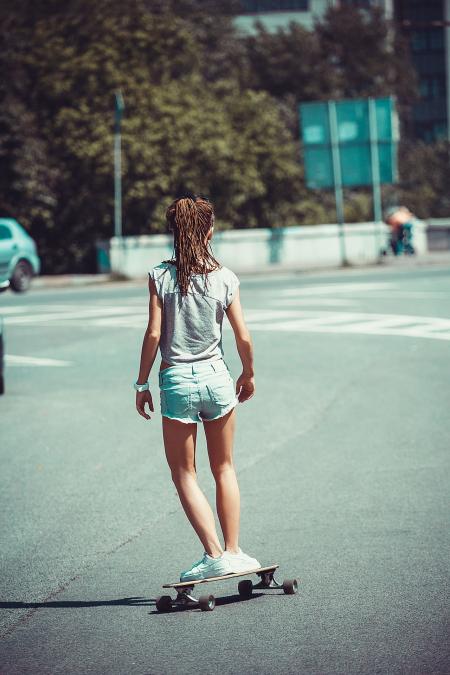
(342, 459)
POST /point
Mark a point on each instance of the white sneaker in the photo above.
(241, 562)
(207, 567)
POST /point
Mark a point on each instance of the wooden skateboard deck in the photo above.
(185, 599)
(182, 584)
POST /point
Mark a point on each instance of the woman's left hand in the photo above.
(143, 397)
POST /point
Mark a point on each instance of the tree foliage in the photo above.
(206, 111)
(424, 178)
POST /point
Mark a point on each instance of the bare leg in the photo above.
(180, 442)
(219, 438)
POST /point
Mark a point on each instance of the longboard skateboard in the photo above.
(165, 603)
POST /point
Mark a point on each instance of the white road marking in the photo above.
(14, 310)
(85, 313)
(360, 323)
(316, 302)
(331, 289)
(369, 294)
(408, 294)
(137, 321)
(15, 360)
(285, 316)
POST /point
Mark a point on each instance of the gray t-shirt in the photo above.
(192, 325)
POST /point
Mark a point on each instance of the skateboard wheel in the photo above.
(245, 588)
(207, 603)
(164, 603)
(290, 586)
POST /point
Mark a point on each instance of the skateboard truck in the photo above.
(186, 599)
(267, 580)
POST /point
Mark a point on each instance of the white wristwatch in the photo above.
(141, 387)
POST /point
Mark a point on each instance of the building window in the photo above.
(431, 131)
(256, 6)
(418, 41)
(429, 40)
(419, 11)
(432, 87)
(436, 39)
(358, 3)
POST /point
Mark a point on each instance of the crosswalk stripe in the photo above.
(86, 313)
(388, 327)
(370, 290)
(280, 318)
(15, 360)
(315, 302)
(326, 289)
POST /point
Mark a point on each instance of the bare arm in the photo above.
(244, 346)
(149, 349)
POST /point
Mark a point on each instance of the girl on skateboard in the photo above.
(189, 296)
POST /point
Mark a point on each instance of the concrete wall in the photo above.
(302, 247)
(438, 234)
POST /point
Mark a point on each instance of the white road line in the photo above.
(325, 289)
(258, 314)
(408, 294)
(54, 307)
(383, 295)
(15, 360)
(403, 321)
(292, 318)
(361, 323)
(300, 327)
(316, 302)
(86, 313)
(14, 309)
(137, 321)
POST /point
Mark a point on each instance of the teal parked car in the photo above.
(19, 260)
(2, 358)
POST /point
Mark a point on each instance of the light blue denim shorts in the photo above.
(196, 392)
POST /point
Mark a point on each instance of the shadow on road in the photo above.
(78, 603)
(227, 600)
(133, 602)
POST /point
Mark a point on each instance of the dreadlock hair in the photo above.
(190, 218)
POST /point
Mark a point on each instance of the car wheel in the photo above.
(21, 277)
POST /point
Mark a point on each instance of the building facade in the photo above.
(424, 23)
(275, 14)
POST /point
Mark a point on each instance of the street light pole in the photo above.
(375, 172)
(337, 178)
(118, 111)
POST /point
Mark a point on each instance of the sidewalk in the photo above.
(441, 258)
(62, 280)
(430, 258)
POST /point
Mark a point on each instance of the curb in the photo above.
(63, 280)
(72, 280)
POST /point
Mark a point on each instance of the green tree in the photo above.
(366, 54)
(351, 53)
(27, 175)
(189, 123)
(424, 182)
(289, 61)
(206, 111)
